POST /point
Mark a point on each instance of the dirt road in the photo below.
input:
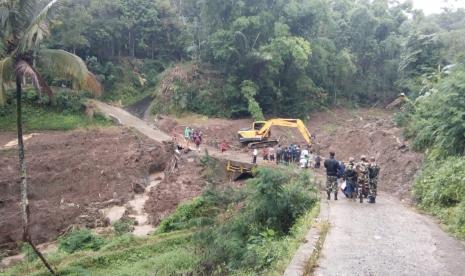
(386, 239)
(129, 120)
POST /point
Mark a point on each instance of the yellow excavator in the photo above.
(259, 135)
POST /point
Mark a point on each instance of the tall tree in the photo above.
(25, 24)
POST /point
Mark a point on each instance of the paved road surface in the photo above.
(387, 239)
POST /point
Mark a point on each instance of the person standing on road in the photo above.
(187, 133)
(350, 176)
(223, 147)
(254, 156)
(279, 154)
(265, 154)
(317, 161)
(362, 171)
(373, 174)
(197, 142)
(271, 154)
(331, 166)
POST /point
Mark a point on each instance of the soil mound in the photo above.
(72, 175)
(369, 132)
(350, 133)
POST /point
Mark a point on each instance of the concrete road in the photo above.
(386, 239)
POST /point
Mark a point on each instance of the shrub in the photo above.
(245, 235)
(81, 239)
(124, 225)
(437, 121)
(440, 190)
(28, 252)
(196, 213)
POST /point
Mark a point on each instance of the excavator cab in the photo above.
(258, 125)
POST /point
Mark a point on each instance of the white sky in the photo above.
(434, 6)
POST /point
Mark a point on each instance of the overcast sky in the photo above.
(434, 6)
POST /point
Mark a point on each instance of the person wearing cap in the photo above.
(350, 176)
(331, 166)
(373, 174)
(362, 180)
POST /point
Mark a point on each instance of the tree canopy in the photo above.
(298, 55)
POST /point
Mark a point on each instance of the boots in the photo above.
(373, 200)
(335, 196)
(361, 198)
(329, 195)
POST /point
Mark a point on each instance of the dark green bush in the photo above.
(244, 236)
(124, 225)
(82, 239)
(196, 213)
(439, 115)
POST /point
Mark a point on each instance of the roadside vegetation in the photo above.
(65, 113)
(435, 122)
(245, 231)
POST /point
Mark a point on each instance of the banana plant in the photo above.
(25, 24)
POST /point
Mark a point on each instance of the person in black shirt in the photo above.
(331, 166)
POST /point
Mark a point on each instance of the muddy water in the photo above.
(143, 228)
(136, 208)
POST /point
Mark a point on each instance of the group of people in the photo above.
(193, 135)
(360, 178)
(288, 155)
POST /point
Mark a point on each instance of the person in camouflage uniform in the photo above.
(373, 174)
(362, 181)
(350, 176)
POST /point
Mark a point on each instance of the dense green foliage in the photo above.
(124, 225)
(438, 121)
(80, 240)
(66, 114)
(247, 237)
(435, 122)
(441, 190)
(240, 58)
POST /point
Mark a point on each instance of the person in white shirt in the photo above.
(255, 154)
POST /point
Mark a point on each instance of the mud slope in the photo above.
(369, 132)
(71, 176)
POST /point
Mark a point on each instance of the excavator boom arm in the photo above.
(293, 123)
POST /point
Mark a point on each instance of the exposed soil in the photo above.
(72, 175)
(369, 132)
(184, 184)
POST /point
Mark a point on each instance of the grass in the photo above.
(39, 118)
(313, 262)
(161, 254)
(296, 238)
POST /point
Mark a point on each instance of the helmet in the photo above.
(351, 160)
(402, 94)
(363, 157)
(372, 159)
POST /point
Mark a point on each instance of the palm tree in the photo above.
(25, 24)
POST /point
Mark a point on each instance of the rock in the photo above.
(138, 188)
